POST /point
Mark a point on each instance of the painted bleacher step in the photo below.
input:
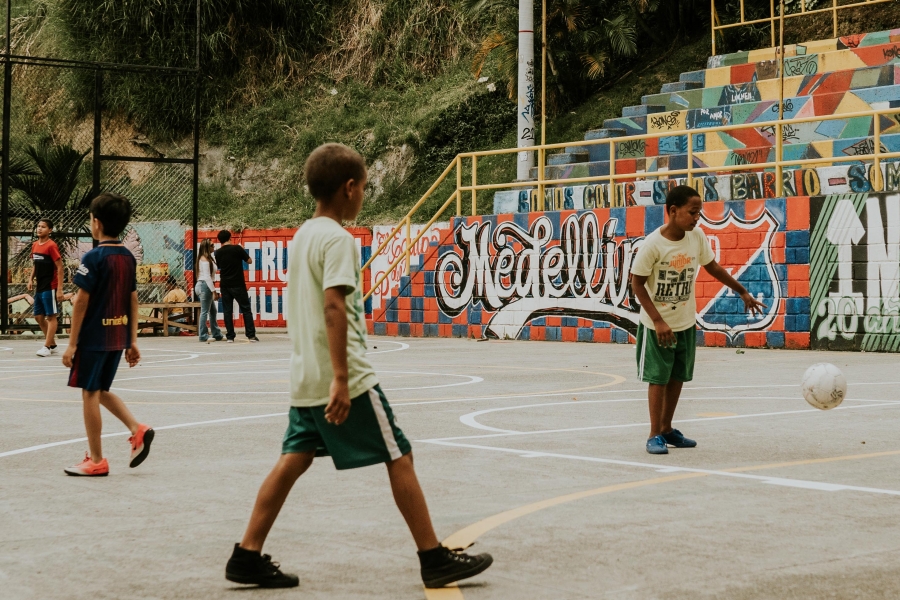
(810, 64)
(769, 89)
(722, 158)
(875, 38)
(760, 112)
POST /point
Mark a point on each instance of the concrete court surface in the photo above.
(778, 501)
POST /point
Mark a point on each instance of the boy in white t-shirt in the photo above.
(337, 406)
(662, 277)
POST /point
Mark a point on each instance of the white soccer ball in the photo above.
(824, 386)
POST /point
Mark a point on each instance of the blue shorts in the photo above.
(94, 370)
(45, 304)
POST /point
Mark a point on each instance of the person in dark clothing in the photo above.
(231, 259)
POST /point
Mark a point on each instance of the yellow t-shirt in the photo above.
(323, 255)
(671, 270)
(175, 296)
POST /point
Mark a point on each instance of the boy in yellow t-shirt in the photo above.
(662, 277)
(337, 406)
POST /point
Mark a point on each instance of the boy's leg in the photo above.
(663, 401)
(93, 423)
(52, 323)
(272, 494)
(114, 404)
(42, 323)
(672, 394)
(411, 501)
(657, 395)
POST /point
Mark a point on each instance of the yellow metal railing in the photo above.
(541, 184)
(775, 15)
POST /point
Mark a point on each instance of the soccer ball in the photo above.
(824, 386)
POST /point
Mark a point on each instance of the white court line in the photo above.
(470, 380)
(400, 349)
(470, 418)
(795, 483)
(627, 425)
(124, 433)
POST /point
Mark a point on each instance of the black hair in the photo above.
(679, 196)
(113, 211)
(224, 236)
(172, 281)
(47, 221)
(329, 167)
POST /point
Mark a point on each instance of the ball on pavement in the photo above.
(824, 386)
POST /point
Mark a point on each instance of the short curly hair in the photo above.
(329, 167)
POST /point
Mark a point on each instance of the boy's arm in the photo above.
(132, 354)
(59, 279)
(30, 281)
(79, 307)
(664, 334)
(336, 327)
(751, 304)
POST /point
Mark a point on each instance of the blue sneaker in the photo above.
(676, 439)
(657, 445)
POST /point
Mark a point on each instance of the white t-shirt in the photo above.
(323, 255)
(671, 270)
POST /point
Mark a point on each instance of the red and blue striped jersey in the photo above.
(107, 273)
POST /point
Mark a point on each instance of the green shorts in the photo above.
(369, 436)
(660, 365)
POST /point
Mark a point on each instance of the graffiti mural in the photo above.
(566, 276)
(266, 276)
(855, 272)
(395, 250)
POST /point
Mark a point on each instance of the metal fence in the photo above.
(67, 138)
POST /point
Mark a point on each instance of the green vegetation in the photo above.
(395, 79)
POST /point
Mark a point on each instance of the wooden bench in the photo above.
(159, 318)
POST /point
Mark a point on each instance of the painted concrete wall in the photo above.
(855, 272)
(565, 276)
(266, 277)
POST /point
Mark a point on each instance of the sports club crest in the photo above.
(719, 308)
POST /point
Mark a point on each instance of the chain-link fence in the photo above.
(69, 132)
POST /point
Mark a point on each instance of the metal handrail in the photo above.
(834, 9)
(877, 156)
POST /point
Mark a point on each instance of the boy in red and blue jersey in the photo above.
(46, 278)
(104, 325)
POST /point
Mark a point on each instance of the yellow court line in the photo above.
(467, 535)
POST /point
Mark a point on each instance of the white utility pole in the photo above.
(527, 89)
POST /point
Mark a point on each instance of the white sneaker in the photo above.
(44, 351)
(54, 350)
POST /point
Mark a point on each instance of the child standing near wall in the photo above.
(663, 277)
(337, 406)
(104, 324)
(47, 278)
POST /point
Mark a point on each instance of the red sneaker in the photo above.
(89, 468)
(140, 445)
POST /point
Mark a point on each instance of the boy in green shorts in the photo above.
(662, 277)
(337, 406)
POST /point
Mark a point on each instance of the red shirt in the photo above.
(45, 256)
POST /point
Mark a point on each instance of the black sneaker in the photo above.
(442, 565)
(253, 339)
(246, 566)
